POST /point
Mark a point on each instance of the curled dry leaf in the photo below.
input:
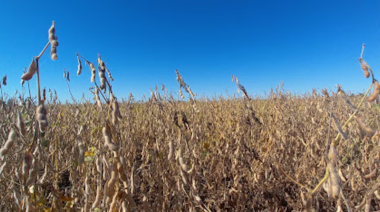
(5, 80)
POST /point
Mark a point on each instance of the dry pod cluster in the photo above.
(364, 67)
(41, 116)
(93, 71)
(102, 78)
(101, 64)
(102, 70)
(109, 74)
(53, 42)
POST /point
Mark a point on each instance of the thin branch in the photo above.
(294, 181)
(43, 51)
(321, 182)
(355, 112)
(38, 72)
(363, 46)
(87, 61)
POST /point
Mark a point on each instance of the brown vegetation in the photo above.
(219, 154)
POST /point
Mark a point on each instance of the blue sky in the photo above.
(305, 44)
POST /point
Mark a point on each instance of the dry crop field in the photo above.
(314, 152)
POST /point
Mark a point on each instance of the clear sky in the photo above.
(305, 44)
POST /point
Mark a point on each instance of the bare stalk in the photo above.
(38, 72)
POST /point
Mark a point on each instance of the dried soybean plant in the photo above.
(66, 75)
(183, 85)
(113, 196)
(334, 179)
(27, 159)
(161, 155)
(250, 112)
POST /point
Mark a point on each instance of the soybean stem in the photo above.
(43, 51)
(355, 112)
(321, 182)
(87, 61)
(361, 55)
(38, 72)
